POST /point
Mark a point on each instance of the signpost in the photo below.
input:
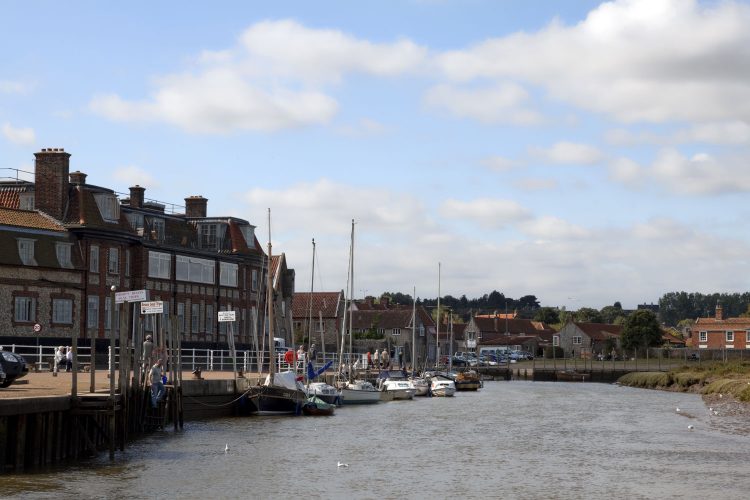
(154, 307)
(230, 317)
(131, 296)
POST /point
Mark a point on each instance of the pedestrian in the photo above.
(369, 359)
(385, 359)
(376, 359)
(157, 385)
(148, 350)
(69, 359)
(59, 358)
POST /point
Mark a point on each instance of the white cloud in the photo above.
(486, 212)
(536, 184)
(550, 228)
(731, 132)
(626, 171)
(13, 87)
(272, 79)
(363, 128)
(569, 153)
(701, 173)
(24, 136)
(504, 103)
(637, 60)
(132, 175)
(498, 163)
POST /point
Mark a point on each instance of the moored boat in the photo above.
(442, 387)
(284, 396)
(421, 386)
(468, 380)
(314, 406)
(324, 391)
(571, 376)
(395, 385)
(359, 392)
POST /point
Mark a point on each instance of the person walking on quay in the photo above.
(59, 358)
(313, 353)
(385, 359)
(376, 359)
(369, 360)
(157, 385)
(69, 359)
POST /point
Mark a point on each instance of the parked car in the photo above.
(14, 367)
(459, 361)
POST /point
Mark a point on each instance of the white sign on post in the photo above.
(154, 307)
(226, 316)
(131, 296)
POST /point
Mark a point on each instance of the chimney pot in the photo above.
(136, 196)
(78, 177)
(51, 181)
(196, 206)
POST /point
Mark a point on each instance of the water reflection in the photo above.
(510, 440)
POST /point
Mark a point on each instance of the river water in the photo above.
(525, 440)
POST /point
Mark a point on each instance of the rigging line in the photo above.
(320, 278)
(223, 404)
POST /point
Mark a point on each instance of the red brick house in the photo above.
(719, 332)
(196, 264)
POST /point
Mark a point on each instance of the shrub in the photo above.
(646, 380)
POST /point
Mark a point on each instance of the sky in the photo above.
(583, 152)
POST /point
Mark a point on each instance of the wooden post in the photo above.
(74, 378)
(112, 359)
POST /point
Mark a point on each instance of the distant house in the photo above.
(672, 337)
(583, 339)
(720, 333)
(326, 310)
(508, 333)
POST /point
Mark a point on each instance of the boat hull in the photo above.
(444, 392)
(271, 400)
(398, 394)
(357, 397)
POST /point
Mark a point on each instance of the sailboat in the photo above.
(353, 391)
(282, 393)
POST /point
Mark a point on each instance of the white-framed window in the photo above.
(157, 228)
(26, 201)
(25, 310)
(195, 315)
(555, 340)
(421, 330)
(396, 331)
(113, 263)
(181, 317)
(254, 280)
(158, 265)
(127, 262)
(577, 340)
(109, 208)
(210, 318)
(702, 336)
(135, 219)
(26, 251)
(63, 252)
(94, 258)
(381, 331)
(730, 336)
(208, 236)
(92, 312)
(228, 274)
(248, 232)
(195, 270)
(62, 311)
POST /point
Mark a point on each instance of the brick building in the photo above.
(719, 332)
(198, 265)
(327, 310)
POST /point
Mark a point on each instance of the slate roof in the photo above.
(388, 319)
(514, 326)
(325, 302)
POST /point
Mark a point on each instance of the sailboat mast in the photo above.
(437, 334)
(414, 331)
(310, 300)
(351, 297)
(269, 304)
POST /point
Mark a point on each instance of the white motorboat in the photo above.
(442, 387)
(359, 392)
(326, 392)
(394, 385)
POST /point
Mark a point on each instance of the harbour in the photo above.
(585, 440)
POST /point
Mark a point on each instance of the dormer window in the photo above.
(26, 251)
(26, 201)
(208, 236)
(136, 220)
(62, 250)
(248, 232)
(156, 226)
(109, 208)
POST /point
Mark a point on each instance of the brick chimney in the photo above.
(78, 177)
(196, 206)
(136, 196)
(51, 181)
(719, 312)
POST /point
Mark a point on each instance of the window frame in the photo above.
(729, 335)
(64, 254)
(27, 304)
(703, 336)
(66, 312)
(26, 251)
(113, 260)
(92, 311)
(94, 259)
(158, 263)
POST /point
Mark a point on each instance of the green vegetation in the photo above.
(641, 330)
(711, 378)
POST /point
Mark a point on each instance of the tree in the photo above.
(641, 330)
(610, 313)
(547, 315)
(587, 315)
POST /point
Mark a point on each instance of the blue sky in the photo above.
(584, 152)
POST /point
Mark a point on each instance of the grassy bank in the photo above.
(710, 378)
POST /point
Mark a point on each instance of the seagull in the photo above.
(341, 464)
(677, 410)
(716, 412)
(226, 448)
(710, 408)
(690, 427)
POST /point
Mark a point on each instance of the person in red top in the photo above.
(369, 359)
(289, 357)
